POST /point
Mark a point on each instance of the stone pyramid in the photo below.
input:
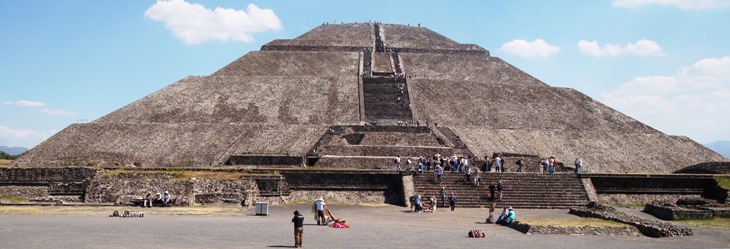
(279, 101)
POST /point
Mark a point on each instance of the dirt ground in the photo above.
(238, 227)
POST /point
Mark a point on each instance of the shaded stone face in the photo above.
(281, 101)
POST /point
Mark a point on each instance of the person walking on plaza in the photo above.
(298, 221)
(319, 207)
(452, 201)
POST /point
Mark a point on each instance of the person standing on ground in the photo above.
(544, 164)
(443, 196)
(452, 201)
(578, 166)
(551, 165)
(397, 163)
(319, 207)
(298, 221)
(520, 163)
(498, 164)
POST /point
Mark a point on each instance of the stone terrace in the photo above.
(189, 144)
(249, 99)
(293, 63)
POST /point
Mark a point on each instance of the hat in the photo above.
(296, 212)
(505, 206)
(510, 208)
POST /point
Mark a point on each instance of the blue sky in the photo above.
(663, 62)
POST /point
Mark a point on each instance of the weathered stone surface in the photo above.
(646, 227)
(583, 230)
(278, 101)
(24, 191)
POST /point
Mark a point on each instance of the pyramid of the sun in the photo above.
(280, 100)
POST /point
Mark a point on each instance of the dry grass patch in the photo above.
(723, 181)
(574, 222)
(5, 162)
(714, 223)
(11, 198)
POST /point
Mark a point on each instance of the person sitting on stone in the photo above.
(508, 219)
(166, 198)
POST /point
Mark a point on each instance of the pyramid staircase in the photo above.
(521, 190)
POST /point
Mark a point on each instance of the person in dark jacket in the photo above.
(298, 221)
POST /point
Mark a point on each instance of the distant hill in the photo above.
(13, 150)
(722, 147)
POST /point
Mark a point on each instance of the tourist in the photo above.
(417, 203)
(158, 197)
(433, 203)
(443, 195)
(504, 213)
(298, 221)
(497, 164)
(578, 166)
(544, 164)
(420, 168)
(492, 190)
(319, 208)
(408, 165)
(452, 201)
(478, 178)
(520, 163)
(508, 218)
(490, 218)
(500, 187)
(551, 165)
(467, 174)
(397, 163)
(166, 198)
(440, 173)
(147, 202)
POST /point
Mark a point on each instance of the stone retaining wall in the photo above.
(675, 213)
(647, 227)
(24, 191)
(584, 230)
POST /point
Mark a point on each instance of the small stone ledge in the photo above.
(688, 208)
(583, 230)
(646, 227)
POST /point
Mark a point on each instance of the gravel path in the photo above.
(372, 227)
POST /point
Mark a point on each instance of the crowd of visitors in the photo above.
(160, 199)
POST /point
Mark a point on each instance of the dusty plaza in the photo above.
(371, 227)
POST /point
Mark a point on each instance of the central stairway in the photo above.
(521, 190)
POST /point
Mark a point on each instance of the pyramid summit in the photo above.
(357, 95)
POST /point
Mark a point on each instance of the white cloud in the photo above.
(682, 4)
(642, 48)
(195, 24)
(25, 103)
(693, 102)
(536, 48)
(11, 133)
(57, 112)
